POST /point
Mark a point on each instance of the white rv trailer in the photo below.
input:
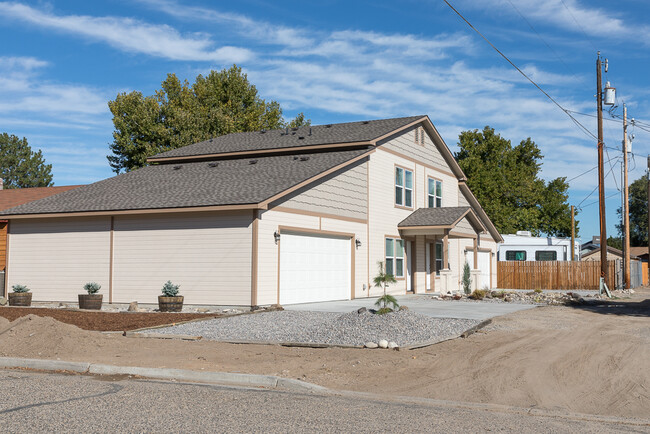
(522, 246)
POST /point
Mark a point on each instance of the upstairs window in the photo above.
(541, 255)
(515, 255)
(403, 187)
(434, 193)
(395, 257)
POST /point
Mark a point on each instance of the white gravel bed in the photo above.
(403, 327)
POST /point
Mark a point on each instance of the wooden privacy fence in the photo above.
(552, 274)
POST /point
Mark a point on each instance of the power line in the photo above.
(594, 203)
(584, 129)
(579, 26)
(596, 188)
(542, 39)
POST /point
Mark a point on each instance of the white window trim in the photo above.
(403, 187)
(434, 196)
(394, 258)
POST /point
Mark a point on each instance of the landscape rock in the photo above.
(457, 296)
(362, 310)
(392, 345)
(202, 310)
(3, 301)
(383, 343)
(370, 345)
(133, 307)
(403, 308)
(507, 299)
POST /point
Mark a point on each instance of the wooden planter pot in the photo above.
(170, 304)
(20, 299)
(90, 301)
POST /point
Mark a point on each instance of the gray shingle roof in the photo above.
(231, 182)
(445, 216)
(277, 139)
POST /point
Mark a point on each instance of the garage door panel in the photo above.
(314, 268)
(483, 261)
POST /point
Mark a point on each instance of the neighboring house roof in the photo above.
(12, 197)
(611, 250)
(349, 133)
(641, 252)
(198, 184)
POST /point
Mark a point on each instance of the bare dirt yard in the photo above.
(103, 321)
(586, 359)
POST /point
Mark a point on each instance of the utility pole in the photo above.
(648, 178)
(626, 207)
(573, 233)
(604, 269)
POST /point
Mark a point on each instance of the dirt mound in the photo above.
(48, 336)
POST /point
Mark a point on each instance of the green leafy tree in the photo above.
(180, 114)
(505, 180)
(382, 280)
(615, 242)
(638, 195)
(21, 167)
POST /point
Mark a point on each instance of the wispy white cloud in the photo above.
(130, 35)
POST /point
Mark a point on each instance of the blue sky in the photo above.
(61, 62)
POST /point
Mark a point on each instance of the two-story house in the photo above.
(285, 216)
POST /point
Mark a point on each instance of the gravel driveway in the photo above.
(402, 327)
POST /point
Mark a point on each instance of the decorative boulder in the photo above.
(383, 343)
(370, 345)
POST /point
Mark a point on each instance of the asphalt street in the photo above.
(40, 402)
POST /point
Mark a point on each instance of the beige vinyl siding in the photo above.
(208, 254)
(428, 154)
(464, 227)
(384, 216)
(344, 193)
(462, 200)
(268, 250)
(56, 257)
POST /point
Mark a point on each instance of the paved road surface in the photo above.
(39, 402)
(423, 305)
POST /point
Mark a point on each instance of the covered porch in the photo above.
(432, 233)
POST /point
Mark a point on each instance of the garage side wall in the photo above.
(207, 254)
(56, 257)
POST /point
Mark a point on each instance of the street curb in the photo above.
(292, 385)
(44, 365)
(222, 378)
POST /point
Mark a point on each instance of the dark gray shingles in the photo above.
(277, 139)
(444, 216)
(231, 182)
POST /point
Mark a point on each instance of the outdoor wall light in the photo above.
(276, 236)
(357, 242)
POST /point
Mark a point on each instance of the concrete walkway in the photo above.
(421, 304)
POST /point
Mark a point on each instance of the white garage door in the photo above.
(483, 265)
(314, 268)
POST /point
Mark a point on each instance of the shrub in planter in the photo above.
(170, 301)
(467, 279)
(92, 300)
(20, 296)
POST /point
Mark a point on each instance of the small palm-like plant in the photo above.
(382, 280)
(20, 288)
(169, 289)
(92, 287)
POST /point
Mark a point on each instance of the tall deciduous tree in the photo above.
(638, 194)
(505, 180)
(180, 114)
(20, 166)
